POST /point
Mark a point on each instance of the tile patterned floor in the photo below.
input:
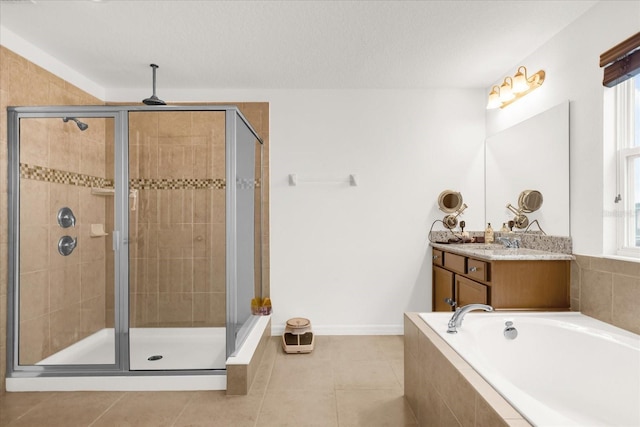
(346, 381)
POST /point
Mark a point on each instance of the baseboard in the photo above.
(347, 329)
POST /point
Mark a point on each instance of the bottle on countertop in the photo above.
(488, 234)
(504, 228)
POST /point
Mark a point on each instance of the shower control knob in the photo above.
(66, 218)
(66, 245)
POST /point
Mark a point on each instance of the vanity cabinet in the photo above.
(504, 284)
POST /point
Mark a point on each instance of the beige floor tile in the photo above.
(398, 369)
(15, 405)
(301, 373)
(392, 346)
(69, 409)
(364, 374)
(261, 380)
(373, 408)
(346, 381)
(216, 409)
(349, 347)
(298, 408)
(155, 409)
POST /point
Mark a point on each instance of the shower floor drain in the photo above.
(154, 357)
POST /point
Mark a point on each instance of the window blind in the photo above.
(621, 62)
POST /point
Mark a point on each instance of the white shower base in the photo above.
(145, 380)
(180, 348)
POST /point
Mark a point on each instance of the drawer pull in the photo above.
(472, 269)
(435, 257)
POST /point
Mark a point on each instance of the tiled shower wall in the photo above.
(177, 224)
(24, 83)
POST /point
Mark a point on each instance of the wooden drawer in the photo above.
(438, 257)
(478, 270)
(455, 262)
(470, 292)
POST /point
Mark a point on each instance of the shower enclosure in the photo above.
(135, 239)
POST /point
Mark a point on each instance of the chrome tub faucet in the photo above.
(458, 315)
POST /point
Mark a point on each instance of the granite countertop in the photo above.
(497, 252)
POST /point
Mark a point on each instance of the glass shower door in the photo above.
(177, 277)
(63, 269)
(248, 228)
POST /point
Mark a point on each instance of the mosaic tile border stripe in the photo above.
(41, 173)
(176, 184)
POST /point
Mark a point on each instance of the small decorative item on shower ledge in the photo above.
(261, 307)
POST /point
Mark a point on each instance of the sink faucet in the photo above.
(508, 242)
(456, 319)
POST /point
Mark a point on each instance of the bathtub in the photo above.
(562, 369)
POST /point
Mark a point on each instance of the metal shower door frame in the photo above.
(120, 115)
(14, 369)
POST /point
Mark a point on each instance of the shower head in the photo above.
(154, 100)
(81, 125)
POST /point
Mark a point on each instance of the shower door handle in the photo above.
(116, 240)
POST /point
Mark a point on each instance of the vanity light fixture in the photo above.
(514, 88)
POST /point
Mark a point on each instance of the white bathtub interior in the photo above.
(563, 369)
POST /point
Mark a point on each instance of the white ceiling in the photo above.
(296, 44)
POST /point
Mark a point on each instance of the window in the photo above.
(627, 117)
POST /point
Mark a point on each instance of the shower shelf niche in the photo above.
(97, 230)
(96, 191)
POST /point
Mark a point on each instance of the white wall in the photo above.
(571, 62)
(353, 259)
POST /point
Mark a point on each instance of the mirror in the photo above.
(450, 202)
(533, 154)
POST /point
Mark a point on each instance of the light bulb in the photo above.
(494, 98)
(506, 93)
(520, 83)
